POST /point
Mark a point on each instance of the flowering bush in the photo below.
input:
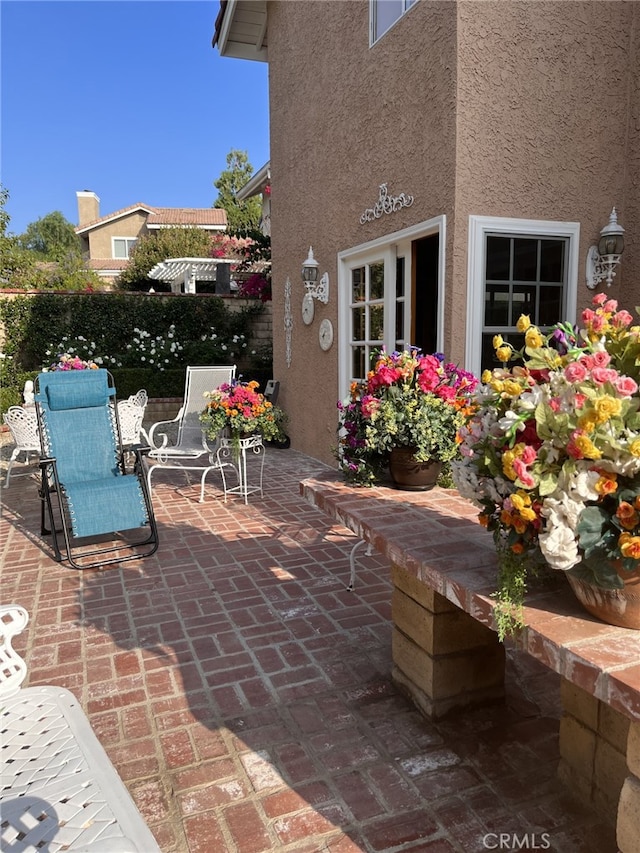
(552, 455)
(257, 286)
(407, 400)
(243, 409)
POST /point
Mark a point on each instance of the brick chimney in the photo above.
(88, 207)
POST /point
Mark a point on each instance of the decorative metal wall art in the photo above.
(386, 204)
(288, 321)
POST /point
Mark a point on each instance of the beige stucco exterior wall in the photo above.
(544, 124)
(132, 225)
(514, 109)
(346, 118)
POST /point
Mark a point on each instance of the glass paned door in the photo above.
(367, 315)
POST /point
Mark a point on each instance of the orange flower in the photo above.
(607, 484)
(518, 548)
(483, 518)
(629, 545)
(627, 515)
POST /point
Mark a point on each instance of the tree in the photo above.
(51, 238)
(241, 215)
(153, 248)
(17, 267)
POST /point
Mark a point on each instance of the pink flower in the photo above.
(523, 475)
(601, 359)
(600, 375)
(622, 319)
(611, 306)
(625, 386)
(576, 372)
(528, 455)
(588, 361)
(599, 299)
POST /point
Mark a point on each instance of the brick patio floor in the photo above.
(244, 695)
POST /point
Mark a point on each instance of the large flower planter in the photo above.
(410, 475)
(619, 607)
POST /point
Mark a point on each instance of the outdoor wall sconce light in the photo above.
(603, 259)
(316, 289)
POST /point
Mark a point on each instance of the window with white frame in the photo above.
(384, 13)
(517, 267)
(122, 247)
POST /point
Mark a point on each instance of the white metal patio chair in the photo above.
(180, 443)
(59, 789)
(23, 426)
(131, 415)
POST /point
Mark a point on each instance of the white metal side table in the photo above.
(246, 457)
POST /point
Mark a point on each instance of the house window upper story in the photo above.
(517, 266)
(122, 246)
(383, 14)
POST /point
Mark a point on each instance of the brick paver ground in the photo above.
(244, 695)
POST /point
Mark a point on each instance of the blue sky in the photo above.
(125, 98)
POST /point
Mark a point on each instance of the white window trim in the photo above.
(384, 248)
(479, 226)
(113, 247)
(372, 35)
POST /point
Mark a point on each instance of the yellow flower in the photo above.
(587, 422)
(606, 408)
(498, 341)
(503, 353)
(523, 323)
(533, 338)
(486, 377)
(634, 447)
(587, 447)
(512, 388)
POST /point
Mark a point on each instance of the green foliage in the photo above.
(153, 248)
(240, 214)
(17, 267)
(51, 238)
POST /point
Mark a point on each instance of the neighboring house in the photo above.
(451, 163)
(260, 184)
(108, 240)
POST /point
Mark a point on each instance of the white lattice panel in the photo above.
(59, 788)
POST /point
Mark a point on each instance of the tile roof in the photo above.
(187, 216)
(107, 263)
(159, 216)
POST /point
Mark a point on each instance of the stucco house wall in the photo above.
(523, 110)
(132, 225)
(355, 118)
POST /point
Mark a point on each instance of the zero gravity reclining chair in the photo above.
(85, 487)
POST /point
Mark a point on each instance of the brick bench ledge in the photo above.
(446, 654)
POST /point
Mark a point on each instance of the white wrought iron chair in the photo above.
(60, 791)
(131, 415)
(180, 443)
(23, 426)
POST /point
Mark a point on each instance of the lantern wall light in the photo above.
(317, 289)
(603, 259)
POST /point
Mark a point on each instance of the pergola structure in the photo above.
(182, 273)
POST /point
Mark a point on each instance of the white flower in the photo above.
(558, 541)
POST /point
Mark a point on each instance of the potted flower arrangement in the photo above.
(72, 362)
(552, 459)
(239, 409)
(411, 403)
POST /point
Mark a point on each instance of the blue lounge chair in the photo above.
(85, 487)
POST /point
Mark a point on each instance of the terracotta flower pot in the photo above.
(410, 475)
(619, 607)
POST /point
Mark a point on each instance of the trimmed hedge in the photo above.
(34, 323)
